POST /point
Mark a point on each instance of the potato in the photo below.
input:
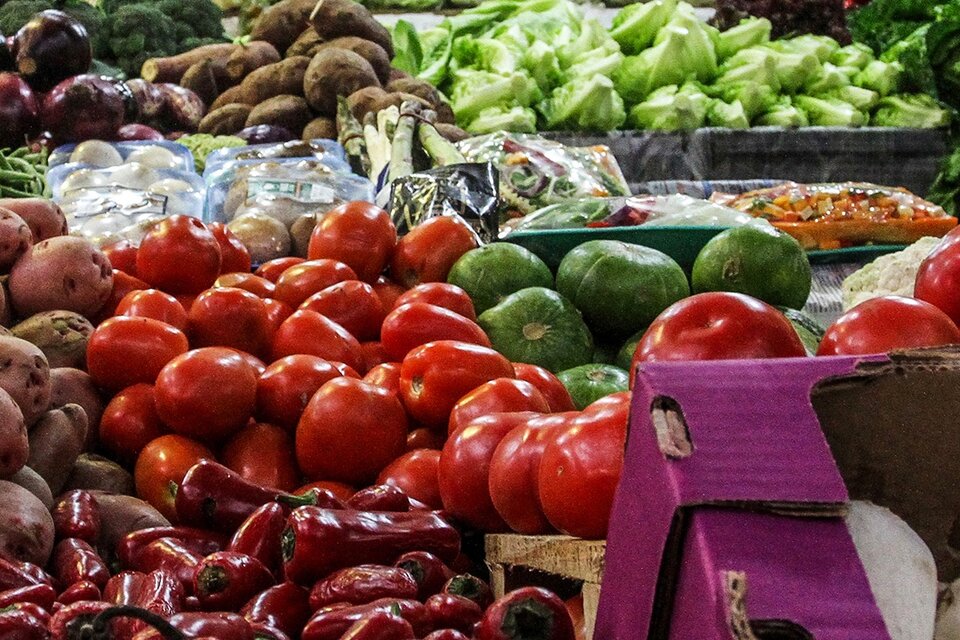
(93, 472)
(225, 121)
(320, 128)
(290, 112)
(366, 100)
(56, 440)
(65, 272)
(26, 527)
(338, 18)
(14, 446)
(369, 51)
(44, 218)
(72, 386)
(397, 74)
(264, 237)
(451, 132)
(305, 45)
(32, 482)
(25, 375)
(15, 238)
(282, 24)
(201, 78)
(61, 335)
(6, 310)
(300, 232)
(119, 515)
(335, 72)
(419, 88)
(281, 78)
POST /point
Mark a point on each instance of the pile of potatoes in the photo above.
(330, 48)
(53, 287)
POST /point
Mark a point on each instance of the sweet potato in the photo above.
(281, 24)
(226, 120)
(66, 272)
(15, 238)
(26, 527)
(25, 375)
(290, 112)
(320, 128)
(249, 57)
(14, 446)
(201, 79)
(6, 309)
(172, 68)
(56, 440)
(61, 335)
(338, 18)
(336, 72)
(281, 78)
(32, 482)
(230, 96)
(369, 51)
(93, 472)
(305, 45)
(72, 386)
(119, 515)
(43, 216)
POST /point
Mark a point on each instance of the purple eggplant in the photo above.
(19, 112)
(83, 107)
(51, 47)
(264, 133)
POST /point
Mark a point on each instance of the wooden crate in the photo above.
(561, 563)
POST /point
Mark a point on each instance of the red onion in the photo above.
(83, 108)
(18, 111)
(263, 133)
(138, 132)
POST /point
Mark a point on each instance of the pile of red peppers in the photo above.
(248, 563)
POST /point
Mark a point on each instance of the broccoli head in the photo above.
(195, 19)
(138, 32)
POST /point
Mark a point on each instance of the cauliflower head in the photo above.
(892, 274)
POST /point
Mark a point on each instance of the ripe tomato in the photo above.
(415, 472)
(122, 285)
(256, 285)
(718, 326)
(277, 311)
(207, 394)
(234, 256)
(311, 333)
(340, 490)
(255, 363)
(153, 303)
(359, 234)
(388, 291)
(373, 354)
(186, 300)
(386, 376)
(464, 470)
(346, 370)
(411, 325)
(938, 279)
(124, 350)
(502, 395)
(884, 324)
(575, 609)
(160, 469)
(301, 281)
(286, 386)
(230, 318)
(129, 422)
(434, 376)
(263, 454)
(547, 384)
(353, 305)
(272, 269)
(441, 294)
(514, 482)
(423, 438)
(430, 249)
(179, 254)
(350, 431)
(579, 471)
(122, 255)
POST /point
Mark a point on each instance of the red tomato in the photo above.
(186, 301)
(160, 469)
(579, 472)
(888, 323)
(311, 333)
(613, 404)
(234, 256)
(255, 363)
(124, 350)
(342, 491)
(430, 249)
(129, 422)
(207, 394)
(386, 376)
(938, 279)
(423, 438)
(272, 269)
(179, 254)
(286, 386)
(122, 255)
(547, 384)
(153, 303)
(373, 354)
(256, 285)
(122, 285)
(575, 609)
(230, 318)
(359, 234)
(514, 468)
(388, 291)
(263, 454)
(434, 376)
(503, 395)
(441, 294)
(350, 431)
(464, 470)
(718, 326)
(415, 472)
(351, 304)
(277, 311)
(301, 281)
(411, 325)
(346, 370)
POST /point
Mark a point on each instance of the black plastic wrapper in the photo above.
(469, 190)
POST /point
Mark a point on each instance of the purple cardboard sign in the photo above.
(685, 517)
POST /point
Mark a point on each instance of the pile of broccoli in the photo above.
(124, 33)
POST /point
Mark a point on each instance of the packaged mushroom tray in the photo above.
(328, 152)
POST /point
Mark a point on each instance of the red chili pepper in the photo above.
(157, 592)
(529, 612)
(363, 584)
(471, 588)
(74, 560)
(77, 515)
(37, 574)
(380, 625)
(200, 541)
(214, 497)
(453, 612)
(318, 541)
(427, 569)
(259, 535)
(219, 624)
(169, 555)
(446, 634)
(284, 606)
(266, 632)
(23, 621)
(80, 591)
(14, 576)
(332, 622)
(65, 624)
(42, 595)
(382, 497)
(225, 580)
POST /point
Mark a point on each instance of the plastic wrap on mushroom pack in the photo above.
(536, 172)
(328, 152)
(156, 154)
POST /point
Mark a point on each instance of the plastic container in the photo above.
(132, 175)
(329, 152)
(182, 156)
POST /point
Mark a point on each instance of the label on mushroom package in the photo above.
(299, 191)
